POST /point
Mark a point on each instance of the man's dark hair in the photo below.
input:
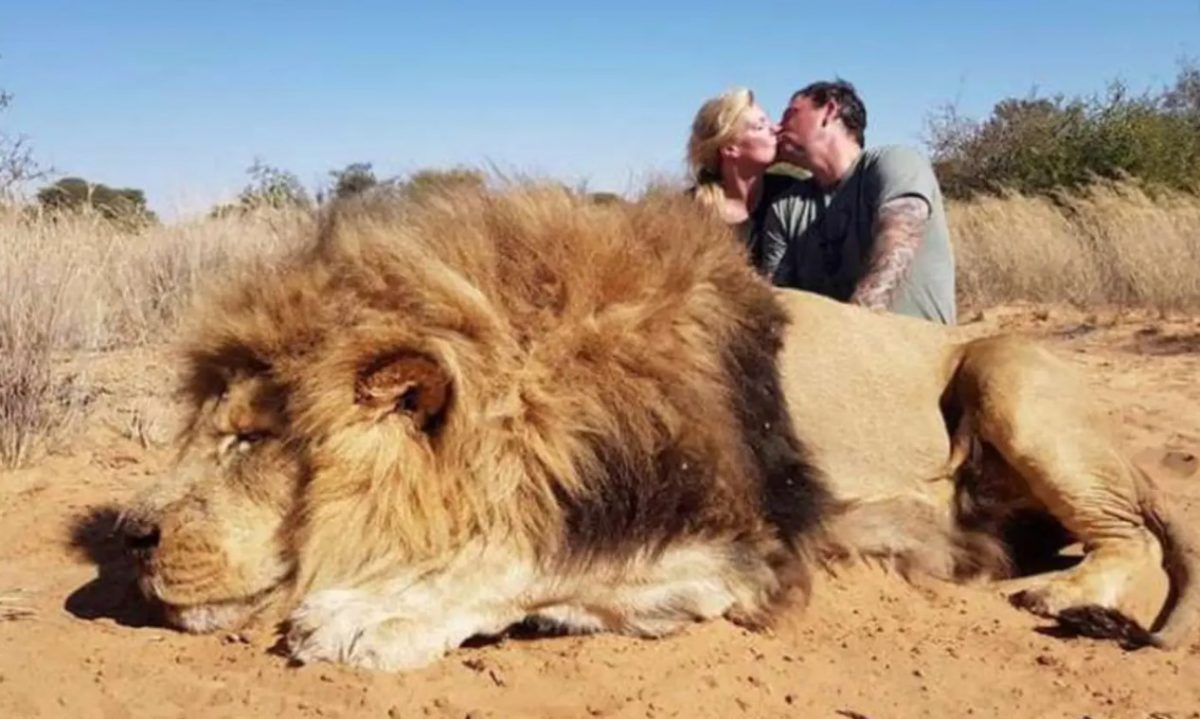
(851, 110)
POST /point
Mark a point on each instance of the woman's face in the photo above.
(755, 141)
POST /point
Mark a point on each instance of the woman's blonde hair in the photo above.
(716, 124)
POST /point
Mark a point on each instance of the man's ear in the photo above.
(829, 112)
(409, 383)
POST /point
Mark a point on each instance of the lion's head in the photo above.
(214, 537)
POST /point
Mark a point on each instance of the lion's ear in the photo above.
(411, 383)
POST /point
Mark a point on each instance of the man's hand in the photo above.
(899, 229)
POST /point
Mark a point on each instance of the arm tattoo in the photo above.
(899, 229)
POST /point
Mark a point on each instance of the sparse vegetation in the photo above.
(272, 187)
(422, 183)
(269, 188)
(77, 282)
(1086, 201)
(17, 165)
(1044, 145)
(355, 178)
(1110, 244)
(40, 316)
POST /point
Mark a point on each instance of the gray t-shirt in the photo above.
(821, 241)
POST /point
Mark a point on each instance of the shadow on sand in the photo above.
(113, 594)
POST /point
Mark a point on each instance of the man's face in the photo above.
(801, 128)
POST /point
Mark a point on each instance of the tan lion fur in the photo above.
(558, 323)
(440, 420)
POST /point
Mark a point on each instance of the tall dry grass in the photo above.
(40, 314)
(1111, 244)
(75, 282)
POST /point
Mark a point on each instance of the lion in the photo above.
(443, 419)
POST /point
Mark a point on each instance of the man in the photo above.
(868, 227)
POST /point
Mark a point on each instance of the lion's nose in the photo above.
(141, 537)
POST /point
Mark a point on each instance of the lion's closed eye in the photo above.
(242, 442)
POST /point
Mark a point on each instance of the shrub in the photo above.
(125, 206)
(355, 178)
(1042, 146)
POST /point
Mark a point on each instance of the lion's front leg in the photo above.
(414, 617)
(358, 628)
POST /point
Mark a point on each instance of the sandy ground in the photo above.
(73, 641)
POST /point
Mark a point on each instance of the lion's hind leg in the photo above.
(1035, 413)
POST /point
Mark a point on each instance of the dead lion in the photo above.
(443, 420)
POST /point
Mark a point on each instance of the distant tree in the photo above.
(124, 205)
(17, 166)
(352, 179)
(271, 187)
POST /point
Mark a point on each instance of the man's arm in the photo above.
(899, 228)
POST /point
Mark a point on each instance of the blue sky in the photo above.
(178, 97)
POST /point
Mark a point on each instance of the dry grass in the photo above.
(1113, 245)
(44, 285)
(13, 606)
(76, 283)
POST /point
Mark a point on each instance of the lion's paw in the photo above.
(1082, 586)
(1090, 597)
(337, 626)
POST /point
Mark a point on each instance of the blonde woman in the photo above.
(732, 143)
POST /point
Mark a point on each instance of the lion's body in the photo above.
(890, 374)
(447, 419)
(901, 383)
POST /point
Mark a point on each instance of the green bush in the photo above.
(271, 187)
(353, 179)
(1043, 145)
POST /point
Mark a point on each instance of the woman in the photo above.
(732, 144)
